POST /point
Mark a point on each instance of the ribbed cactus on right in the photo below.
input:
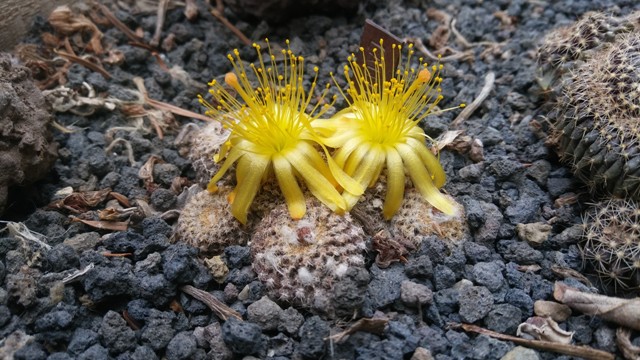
(612, 242)
(596, 120)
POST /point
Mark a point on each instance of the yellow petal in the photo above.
(254, 167)
(233, 156)
(289, 186)
(365, 173)
(395, 184)
(422, 180)
(429, 160)
(317, 184)
(342, 154)
(353, 162)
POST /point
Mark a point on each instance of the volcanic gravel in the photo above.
(130, 307)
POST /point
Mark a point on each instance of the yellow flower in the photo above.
(270, 132)
(380, 129)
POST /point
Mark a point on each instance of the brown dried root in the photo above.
(63, 99)
(624, 312)
(218, 12)
(219, 308)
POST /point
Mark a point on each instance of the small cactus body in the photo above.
(612, 242)
(595, 122)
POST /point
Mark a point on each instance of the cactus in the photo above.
(612, 242)
(594, 123)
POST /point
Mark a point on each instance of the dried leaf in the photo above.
(373, 326)
(545, 329)
(447, 138)
(564, 273)
(624, 312)
(114, 57)
(104, 225)
(217, 306)
(123, 200)
(80, 202)
(146, 171)
(389, 250)
(65, 22)
(558, 312)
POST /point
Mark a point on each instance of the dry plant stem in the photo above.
(465, 42)
(77, 274)
(127, 144)
(190, 10)
(22, 232)
(218, 14)
(628, 350)
(624, 312)
(162, 13)
(489, 82)
(86, 63)
(566, 349)
(219, 308)
(456, 55)
(164, 106)
(117, 23)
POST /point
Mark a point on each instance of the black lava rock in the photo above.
(244, 338)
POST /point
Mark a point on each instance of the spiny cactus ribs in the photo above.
(612, 242)
(300, 261)
(596, 119)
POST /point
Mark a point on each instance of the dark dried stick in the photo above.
(218, 12)
(84, 62)
(117, 23)
(218, 308)
(566, 349)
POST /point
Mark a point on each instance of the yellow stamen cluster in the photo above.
(380, 128)
(271, 132)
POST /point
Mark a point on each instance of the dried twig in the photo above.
(218, 12)
(117, 23)
(373, 326)
(77, 274)
(218, 307)
(162, 13)
(164, 106)
(624, 312)
(127, 145)
(567, 349)
(489, 82)
(104, 225)
(190, 10)
(84, 62)
(456, 55)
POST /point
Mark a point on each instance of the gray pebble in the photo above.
(489, 274)
(312, 334)
(443, 277)
(475, 303)
(539, 171)
(163, 199)
(414, 294)
(181, 347)
(520, 299)
(290, 321)
(419, 267)
(503, 318)
(95, 352)
(265, 313)
(116, 334)
(471, 172)
(605, 337)
(488, 232)
(519, 252)
(384, 287)
(81, 340)
(475, 252)
(164, 174)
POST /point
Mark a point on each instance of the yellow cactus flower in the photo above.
(380, 128)
(270, 132)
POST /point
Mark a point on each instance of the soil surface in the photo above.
(128, 304)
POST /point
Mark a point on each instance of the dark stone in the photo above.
(503, 318)
(95, 352)
(155, 226)
(62, 257)
(181, 347)
(164, 174)
(443, 277)
(580, 325)
(503, 169)
(489, 274)
(447, 300)
(163, 199)
(384, 287)
(349, 291)
(81, 340)
(144, 353)
(31, 351)
(404, 334)
(520, 299)
(179, 263)
(473, 210)
(115, 279)
(237, 256)
(116, 334)
(559, 186)
(419, 267)
(312, 334)
(55, 320)
(519, 252)
(244, 338)
(475, 303)
(475, 252)
(158, 330)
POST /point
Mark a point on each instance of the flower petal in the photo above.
(254, 167)
(422, 180)
(317, 184)
(395, 184)
(366, 171)
(289, 186)
(429, 160)
(233, 156)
